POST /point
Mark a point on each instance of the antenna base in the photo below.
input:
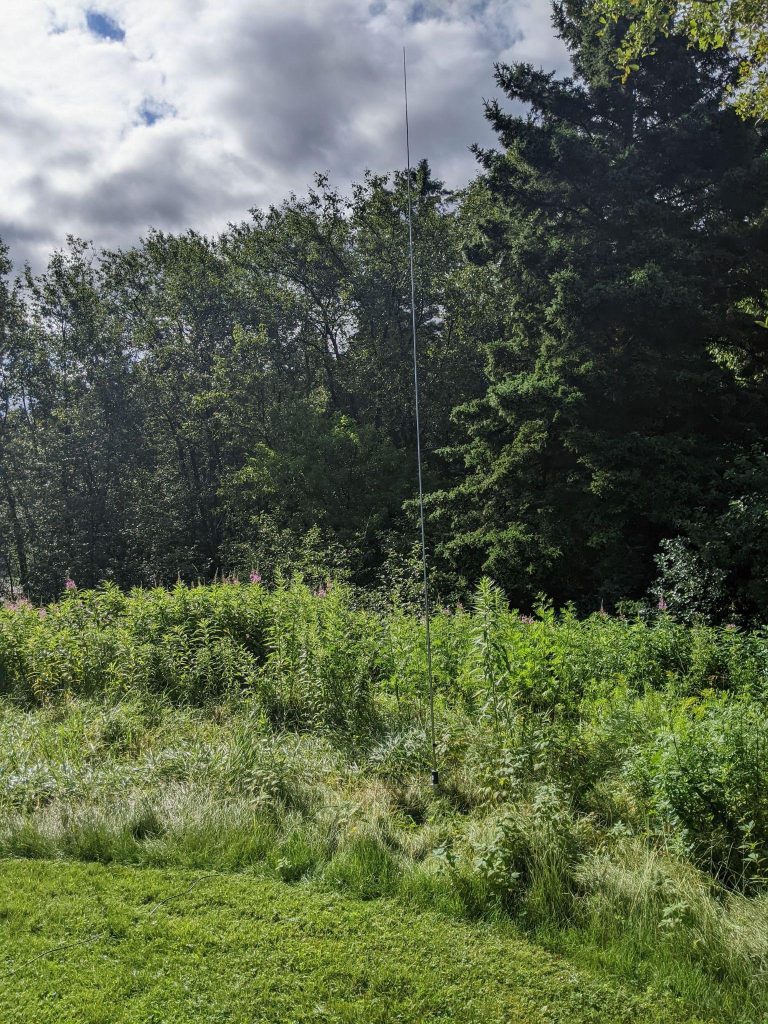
(435, 778)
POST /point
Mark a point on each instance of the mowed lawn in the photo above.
(86, 943)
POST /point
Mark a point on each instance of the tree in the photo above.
(174, 302)
(68, 428)
(628, 224)
(337, 448)
(15, 361)
(192, 405)
(740, 24)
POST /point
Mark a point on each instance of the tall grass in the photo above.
(602, 777)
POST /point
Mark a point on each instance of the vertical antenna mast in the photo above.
(435, 775)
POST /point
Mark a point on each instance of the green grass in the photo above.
(89, 944)
(603, 783)
(149, 785)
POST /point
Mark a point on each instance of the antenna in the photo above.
(435, 773)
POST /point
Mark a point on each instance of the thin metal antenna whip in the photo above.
(435, 774)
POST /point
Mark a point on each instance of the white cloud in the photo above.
(208, 107)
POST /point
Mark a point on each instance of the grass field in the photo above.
(603, 798)
(88, 944)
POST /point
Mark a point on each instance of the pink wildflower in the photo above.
(662, 604)
(69, 584)
(321, 592)
(255, 576)
(527, 620)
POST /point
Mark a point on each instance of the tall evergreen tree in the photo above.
(628, 223)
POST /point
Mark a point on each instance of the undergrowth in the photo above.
(601, 778)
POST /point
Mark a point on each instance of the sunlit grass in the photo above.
(601, 781)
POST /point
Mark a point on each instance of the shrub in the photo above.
(712, 784)
(529, 855)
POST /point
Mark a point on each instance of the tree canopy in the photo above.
(741, 25)
(591, 318)
(627, 223)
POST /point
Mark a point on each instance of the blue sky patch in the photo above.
(103, 26)
(150, 111)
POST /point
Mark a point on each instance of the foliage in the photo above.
(739, 24)
(711, 786)
(592, 363)
(594, 770)
(686, 584)
(191, 407)
(610, 421)
(232, 418)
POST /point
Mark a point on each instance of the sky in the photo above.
(118, 115)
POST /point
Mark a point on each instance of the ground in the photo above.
(93, 944)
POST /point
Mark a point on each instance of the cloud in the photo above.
(185, 113)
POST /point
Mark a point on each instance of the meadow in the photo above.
(603, 780)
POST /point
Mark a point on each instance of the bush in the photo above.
(712, 784)
(529, 858)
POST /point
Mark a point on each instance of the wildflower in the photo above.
(527, 620)
(602, 611)
(255, 576)
(321, 592)
(69, 584)
(662, 604)
(731, 625)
